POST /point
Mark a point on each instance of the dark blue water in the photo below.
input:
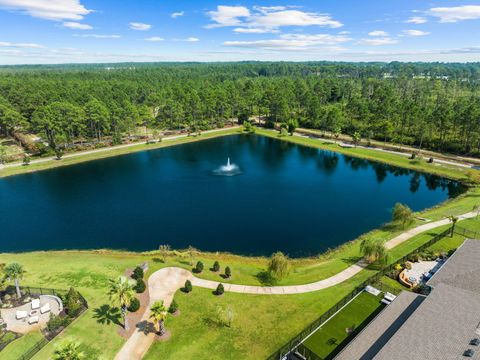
(290, 198)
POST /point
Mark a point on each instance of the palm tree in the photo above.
(14, 271)
(69, 351)
(158, 312)
(122, 292)
(374, 251)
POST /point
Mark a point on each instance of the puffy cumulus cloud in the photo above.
(455, 13)
(378, 41)
(21, 45)
(139, 26)
(177, 14)
(154, 39)
(268, 18)
(57, 10)
(291, 42)
(378, 33)
(77, 26)
(415, 33)
(416, 20)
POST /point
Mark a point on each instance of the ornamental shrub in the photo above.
(220, 290)
(216, 266)
(199, 267)
(173, 307)
(188, 286)
(228, 272)
(134, 305)
(140, 286)
(138, 273)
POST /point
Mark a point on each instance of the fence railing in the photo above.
(293, 344)
(466, 232)
(34, 349)
(36, 291)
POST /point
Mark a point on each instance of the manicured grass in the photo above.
(17, 348)
(452, 172)
(334, 333)
(20, 169)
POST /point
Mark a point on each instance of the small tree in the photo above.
(191, 254)
(140, 286)
(173, 307)
(138, 273)
(69, 350)
(216, 266)
(224, 316)
(122, 292)
(356, 138)
(26, 159)
(337, 131)
(3, 154)
(228, 272)
(453, 220)
(403, 214)
(14, 272)
(58, 153)
(199, 267)
(158, 312)
(164, 250)
(476, 208)
(279, 265)
(220, 289)
(374, 251)
(292, 124)
(73, 304)
(188, 286)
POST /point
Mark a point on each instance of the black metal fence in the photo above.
(36, 291)
(470, 234)
(293, 344)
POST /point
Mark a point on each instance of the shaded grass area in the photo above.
(333, 335)
(109, 152)
(17, 348)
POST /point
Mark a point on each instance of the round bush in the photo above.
(138, 273)
(140, 287)
(188, 286)
(134, 305)
(199, 267)
(216, 266)
(173, 307)
(220, 290)
(228, 272)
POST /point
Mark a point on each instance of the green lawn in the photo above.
(334, 333)
(17, 348)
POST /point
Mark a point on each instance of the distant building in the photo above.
(444, 325)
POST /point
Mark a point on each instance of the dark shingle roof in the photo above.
(371, 339)
(440, 329)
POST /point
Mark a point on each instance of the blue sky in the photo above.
(60, 31)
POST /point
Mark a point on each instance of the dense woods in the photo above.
(428, 105)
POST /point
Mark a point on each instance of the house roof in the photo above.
(441, 328)
(371, 339)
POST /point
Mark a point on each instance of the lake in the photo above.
(291, 198)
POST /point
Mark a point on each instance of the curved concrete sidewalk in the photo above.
(165, 282)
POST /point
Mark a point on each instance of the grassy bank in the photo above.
(76, 158)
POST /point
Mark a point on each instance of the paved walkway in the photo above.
(110, 148)
(165, 282)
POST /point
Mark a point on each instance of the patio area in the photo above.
(33, 315)
(420, 272)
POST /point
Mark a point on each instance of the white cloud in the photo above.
(228, 16)
(98, 36)
(177, 14)
(378, 33)
(268, 18)
(48, 9)
(416, 20)
(415, 33)
(77, 26)
(456, 13)
(242, 30)
(139, 26)
(291, 42)
(191, 39)
(378, 41)
(154, 39)
(21, 45)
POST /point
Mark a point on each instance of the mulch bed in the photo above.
(134, 318)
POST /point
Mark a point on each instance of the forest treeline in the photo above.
(428, 105)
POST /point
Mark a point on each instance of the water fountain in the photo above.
(228, 170)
